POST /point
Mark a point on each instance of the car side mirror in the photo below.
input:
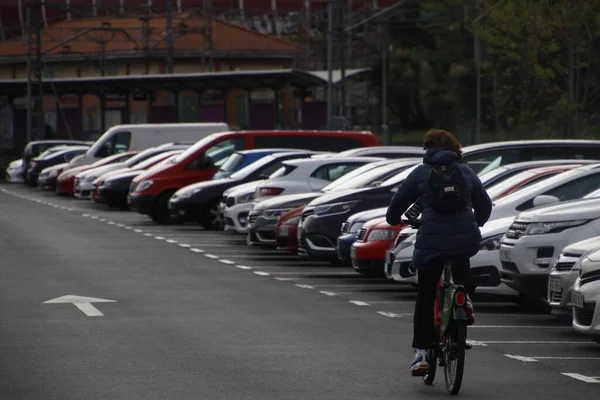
(544, 199)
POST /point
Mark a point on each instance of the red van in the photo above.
(150, 192)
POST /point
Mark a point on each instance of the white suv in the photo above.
(585, 297)
(533, 242)
(564, 273)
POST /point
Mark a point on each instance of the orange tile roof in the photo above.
(127, 35)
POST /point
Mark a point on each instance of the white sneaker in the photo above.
(419, 366)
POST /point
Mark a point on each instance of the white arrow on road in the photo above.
(83, 303)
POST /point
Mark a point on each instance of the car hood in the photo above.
(564, 211)
(364, 216)
(215, 183)
(496, 227)
(100, 170)
(124, 175)
(583, 246)
(242, 189)
(16, 164)
(57, 167)
(590, 262)
(289, 201)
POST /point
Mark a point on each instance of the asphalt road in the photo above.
(199, 315)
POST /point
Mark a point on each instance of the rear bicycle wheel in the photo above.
(454, 354)
(432, 360)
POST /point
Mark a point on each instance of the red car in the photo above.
(372, 241)
(65, 183)
(286, 233)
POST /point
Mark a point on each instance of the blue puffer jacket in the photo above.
(442, 235)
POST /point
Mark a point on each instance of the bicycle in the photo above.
(450, 325)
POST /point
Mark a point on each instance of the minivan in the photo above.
(150, 192)
(137, 137)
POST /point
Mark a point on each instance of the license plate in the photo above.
(555, 284)
(505, 255)
(284, 231)
(577, 299)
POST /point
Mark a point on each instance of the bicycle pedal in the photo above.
(468, 346)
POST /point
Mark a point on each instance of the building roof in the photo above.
(248, 80)
(120, 37)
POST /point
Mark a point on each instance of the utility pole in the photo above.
(35, 91)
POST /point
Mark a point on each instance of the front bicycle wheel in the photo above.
(454, 355)
(432, 359)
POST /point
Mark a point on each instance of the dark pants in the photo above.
(428, 280)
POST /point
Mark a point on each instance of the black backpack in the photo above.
(447, 189)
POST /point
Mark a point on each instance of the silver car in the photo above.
(564, 273)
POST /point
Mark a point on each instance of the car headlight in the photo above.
(335, 208)
(381, 234)
(293, 221)
(355, 227)
(541, 228)
(409, 241)
(491, 243)
(275, 212)
(245, 198)
(186, 194)
(143, 186)
(53, 174)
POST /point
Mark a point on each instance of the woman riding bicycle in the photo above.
(454, 205)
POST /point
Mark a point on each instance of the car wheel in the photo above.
(210, 218)
(161, 214)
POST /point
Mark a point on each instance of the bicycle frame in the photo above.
(450, 309)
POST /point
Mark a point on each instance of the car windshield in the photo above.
(140, 157)
(193, 149)
(399, 178)
(491, 166)
(249, 169)
(496, 190)
(370, 177)
(233, 162)
(491, 176)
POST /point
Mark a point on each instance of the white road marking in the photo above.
(326, 293)
(391, 302)
(171, 241)
(120, 225)
(93, 216)
(229, 262)
(364, 286)
(282, 279)
(138, 230)
(211, 256)
(262, 273)
(70, 209)
(85, 215)
(62, 208)
(358, 303)
(476, 343)
(307, 273)
(532, 342)
(518, 327)
(147, 234)
(102, 220)
(521, 358)
(247, 267)
(305, 286)
(583, 378)
(196, 250)
(566, 358)
(110, 223)
(159, 238)
(128, 227)
(82, 303)
(184, 245)
(389, 314)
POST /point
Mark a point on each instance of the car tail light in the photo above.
(267, 191)
(460, 299)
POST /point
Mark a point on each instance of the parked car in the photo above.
(534, 241)
(37, 147)
(489, 156)
(200, 201)
(286, 230)
(369, 175)
(112, 188)
(485, 265)
(373, 239)
(65, 183)
(139, 137)
(585, 297)
(564, 273)
(36, 165)
(262, 220)
(385, 152)
(241, 159)
(302, 176)
(151, 191)
(83, 180)
(524, 179)
(235, 206)
(14, 172)
(349, 231)
(47, 178)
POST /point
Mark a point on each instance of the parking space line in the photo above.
(172, 241)
(184, 245)
(229, 262)
(583, 378)
(262, 273)
(244, 267)
(196, 250)
(159, 238)
(521, 358)
(566, 358)
(138, 230)
(389, 314)
(282, 279)
(211, 256)
(305, 286)
(358, 303)
(326, 293)
(147, 234)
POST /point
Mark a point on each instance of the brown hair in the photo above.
(440, 139)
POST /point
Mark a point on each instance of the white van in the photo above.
(121, 138)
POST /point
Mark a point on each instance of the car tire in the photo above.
(160, 213)
(210, 219)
